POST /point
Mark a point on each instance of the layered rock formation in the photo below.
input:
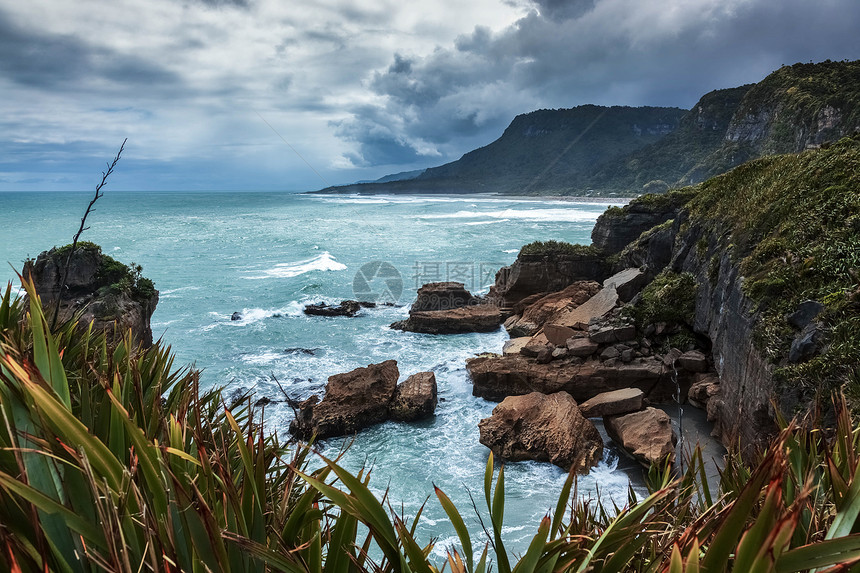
(738, 266)
(415, 398)
(448, 308)
(497, 377)
(531, 313)
(546, 273)
(110, 295)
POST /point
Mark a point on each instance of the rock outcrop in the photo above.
(448, 308)
(415, 398)
(363, 397)
(528, 319)
(645, 435)
(617, 228)
(353, 401)
(109, 294)
(345, 308)
(497, 377)
(546, 273)
(544, 428)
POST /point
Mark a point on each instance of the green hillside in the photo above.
(668, 161)
(542, 152)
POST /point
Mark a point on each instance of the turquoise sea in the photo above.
(266, 255)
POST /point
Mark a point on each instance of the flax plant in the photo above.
(113, 460)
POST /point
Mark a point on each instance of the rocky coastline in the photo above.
(673, 304)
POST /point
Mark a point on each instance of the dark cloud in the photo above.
(47, 61)
(227, 3)
(564, 9)
(379, 143)
(610, 52)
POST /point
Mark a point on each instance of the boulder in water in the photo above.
(546, 428)
(353, 401)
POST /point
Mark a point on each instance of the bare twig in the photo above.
(82, 228)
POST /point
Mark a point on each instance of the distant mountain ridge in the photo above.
(595, 150)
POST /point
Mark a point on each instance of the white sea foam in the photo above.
(555, 214)
(471, 200)
(172, 293)
(488, 222)
(511, 251)
(322, 262)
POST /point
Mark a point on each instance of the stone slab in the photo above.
(514, 345)
(613, 403)
(627, 283)
(597, 306)
(557, 334)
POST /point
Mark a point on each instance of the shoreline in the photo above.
(564, 198)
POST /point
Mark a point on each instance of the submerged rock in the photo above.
(546, 428)
(345, 308)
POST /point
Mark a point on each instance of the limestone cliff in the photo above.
(768, 256)
(112, 296)
(774, 246)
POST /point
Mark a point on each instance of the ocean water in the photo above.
(266, 255)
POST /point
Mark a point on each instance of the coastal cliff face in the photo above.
(109, 294)
(618, 227)
(775, 250)
(772, 254)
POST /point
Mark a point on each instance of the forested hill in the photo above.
(542, 152)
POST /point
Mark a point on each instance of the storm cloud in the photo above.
(609, 52)
(208, 91)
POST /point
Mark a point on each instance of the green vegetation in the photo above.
(116, 277)
(671, 160)
(544, 152)
(655, 202)
(111, 460)
(670, 297)
(558, 248)
(794, 222)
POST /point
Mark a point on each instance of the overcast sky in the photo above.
(268, 94)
